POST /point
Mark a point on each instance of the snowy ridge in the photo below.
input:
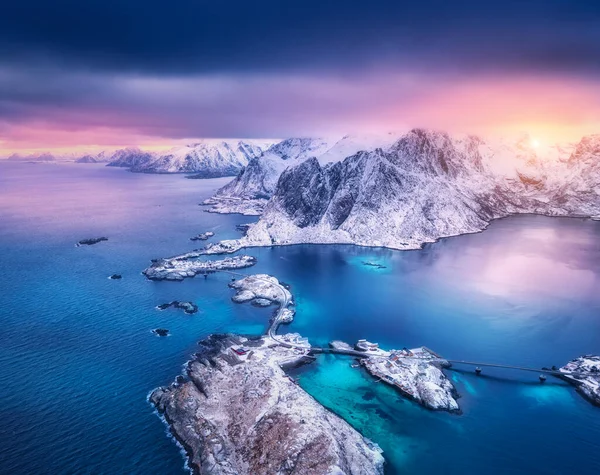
(249, 192)
(207, 158)
(425, 186)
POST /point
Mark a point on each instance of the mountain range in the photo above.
(414, 188)
(204, 159)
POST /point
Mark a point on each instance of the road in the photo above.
(285, 302)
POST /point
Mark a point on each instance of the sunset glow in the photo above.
(161, 113)
(353, 71)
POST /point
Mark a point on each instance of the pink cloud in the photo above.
(126, 111)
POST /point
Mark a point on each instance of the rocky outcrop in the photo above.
(188, 307)
(202, 236)
(91, 241)
(260, 287)
(584, 374)
(161, 332)
(188, 265)
(237, 412)
(248, 193)
(417, 374)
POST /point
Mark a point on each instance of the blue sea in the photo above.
(77, 356)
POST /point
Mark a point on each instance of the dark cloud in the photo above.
(198, 36)
(193, 68)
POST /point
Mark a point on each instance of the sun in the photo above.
(535, 143)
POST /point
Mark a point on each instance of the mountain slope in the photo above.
(254, 185)
(250, 190)
(425, 186)
(206, 159)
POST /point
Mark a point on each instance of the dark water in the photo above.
(77, 358)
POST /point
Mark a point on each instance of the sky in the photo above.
(108, 73)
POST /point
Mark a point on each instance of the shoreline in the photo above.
(421, 246)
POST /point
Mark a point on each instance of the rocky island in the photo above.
(91, 241)
(202, 236)
(417, 374)
(584, 374)
(260, 287)
(188, 307)
(188, 265)
(237, 412)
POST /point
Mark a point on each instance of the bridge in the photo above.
(520, 368)
(285, 302)
(276, 320)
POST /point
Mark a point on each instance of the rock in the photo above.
(187, 307)
(187, 265)
(340, 345)
(258, 302)
(242, 227)
(585, 377)
(262, 287)
(416, 374)
(241, 414)
(374, 264)
(116, 276)
(161, 332)
(202, 236)
(91, 241)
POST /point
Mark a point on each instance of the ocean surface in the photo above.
(78, 359)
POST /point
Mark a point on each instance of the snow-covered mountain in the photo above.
(206, 159)
(249, 192)
(427, 185)
(100, 157)
(42, 157)
(129, 157)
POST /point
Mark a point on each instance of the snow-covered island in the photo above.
(202, 236)
(416, 373)
(188, 265)
(236, 411)
(260, 286)
(584, 374)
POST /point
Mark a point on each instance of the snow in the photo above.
(586, 377)
(425, 186)
(417, 375)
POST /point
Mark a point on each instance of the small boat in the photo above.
(542, 378)
(478, 370)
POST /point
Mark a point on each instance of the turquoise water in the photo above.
(77, 358)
